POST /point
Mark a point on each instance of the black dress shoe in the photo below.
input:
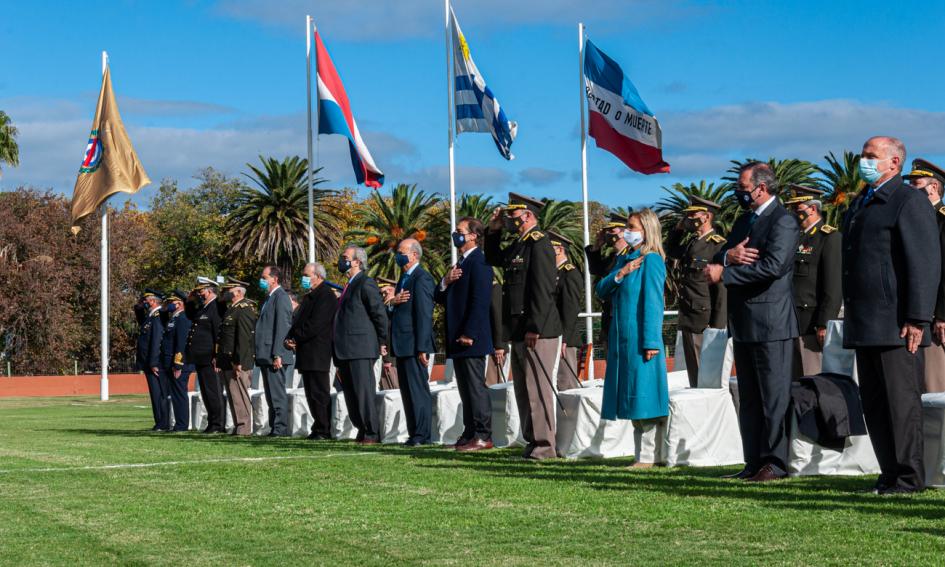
(898, 491)
(767, 473)
(741, 475)
(318, 437)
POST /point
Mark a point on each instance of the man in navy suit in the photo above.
(360, 331)
(466, 291)
(412, 339)
(757, 267)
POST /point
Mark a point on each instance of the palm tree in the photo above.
(385, 221)
(476, 206)
(9, 150)
(670, 208)
(564, 217)
(842, 181)
(271, 223)
(787, 171)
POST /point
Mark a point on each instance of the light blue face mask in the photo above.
(306, 282)
(263, 284)
(869, 171)
(633, 238)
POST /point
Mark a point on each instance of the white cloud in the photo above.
(539, 176)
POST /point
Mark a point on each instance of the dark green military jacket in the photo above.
(237, 332)
(530, 276)
(940, 297)
(817, 284)
(568, 300)
(701, 304)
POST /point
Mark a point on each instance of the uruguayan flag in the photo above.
(477, 109)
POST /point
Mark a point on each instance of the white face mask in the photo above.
(633, 238)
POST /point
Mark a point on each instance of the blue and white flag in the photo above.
(477, 109)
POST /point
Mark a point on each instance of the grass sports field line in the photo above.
(261, 501)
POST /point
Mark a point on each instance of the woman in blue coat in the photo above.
(635, 385)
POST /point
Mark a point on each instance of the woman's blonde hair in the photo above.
(652, 232)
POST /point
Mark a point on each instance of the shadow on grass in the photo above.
(801, 493)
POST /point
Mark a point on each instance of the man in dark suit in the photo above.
(817, 293)
(202, 351)
(360, 330)
(310, 337)
(412, 341)
(757, 266)
(466, 291)
(891, 268)
(568, 299)
(529, 314)
(272, 356)
(148, 355)
(172, 358)
(930, 179)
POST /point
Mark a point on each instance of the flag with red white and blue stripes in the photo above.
(335, 117)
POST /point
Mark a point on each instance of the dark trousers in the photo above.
(211, 391)
(157, 390)
(360, 389)
(179, 400)
(764, 394)
(317, 385)
(415, 393)
(477, 408)
(274, 387)
(891, 390)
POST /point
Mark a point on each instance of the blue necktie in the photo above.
(869, 195)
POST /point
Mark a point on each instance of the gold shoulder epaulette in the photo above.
(941, 210)
(535, 235)
(716, 239)
(567, 267)
(827, 229)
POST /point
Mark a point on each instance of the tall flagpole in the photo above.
(588, 316)
(308, 85)
(449, 101)
(103, 269)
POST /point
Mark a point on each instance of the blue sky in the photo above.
(217, 83)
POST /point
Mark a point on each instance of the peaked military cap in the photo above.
(802, 193)
(558, 240)
(924, 168)
(230, 283)
(149, 293)
(518, 202)
(698, 204)
(616, 220)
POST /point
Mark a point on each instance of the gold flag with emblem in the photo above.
(110, 164)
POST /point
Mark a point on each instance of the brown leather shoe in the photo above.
(476, 445)
(367, 442)
(741, 475)
(460, 442)
(767, 473)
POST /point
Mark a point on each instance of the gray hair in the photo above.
(416, 249)
(240, 288)
(816, 204)
(318, 268)
(360, 255)
(761, 172)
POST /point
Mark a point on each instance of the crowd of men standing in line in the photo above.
(774, 283)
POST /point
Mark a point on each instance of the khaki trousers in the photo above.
(692, 351)
(808, 356)
(934, 368)
(237, 390)
(567, 369)
(535, 396)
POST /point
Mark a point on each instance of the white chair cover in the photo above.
(677, 380)
(300, 420)
(933, 428)
(702, 429)
(391, 417)
(198, 413)
(260, 412)
(447, 413)
(679, 360)
(716, 358)
(506, 429)
(581, 431)
(837, 359)
(808, 458)
(341, 426)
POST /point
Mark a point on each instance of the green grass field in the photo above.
(67, 496)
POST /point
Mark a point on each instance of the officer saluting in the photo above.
(236, 353)
(817, 282)
(601, 263)
(529, 316)
(568, 301)
(148, 355)
(202, 351)
(693, 243)
(930, 178)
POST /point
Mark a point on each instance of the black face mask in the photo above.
(801, 216)
(512, 224)
(228, 296)
(611, 238)
(692, 224)
(744, 199)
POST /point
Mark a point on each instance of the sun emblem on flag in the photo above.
(464, 46)
(93, 154)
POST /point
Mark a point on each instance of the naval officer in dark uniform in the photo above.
(529, 316)
(202, 352)
(928, 177)
(148, 356)
(568, 294)
(601, 258)
(693, 243)
(173, 345)
(817, 281)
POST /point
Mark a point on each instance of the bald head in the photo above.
(890, 154)
(410, 247)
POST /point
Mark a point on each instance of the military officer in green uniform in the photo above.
(817, 280)
(693, 243)
(928, 177)
(529, 316)
(568, 294)
(601, 257)
(236, 352)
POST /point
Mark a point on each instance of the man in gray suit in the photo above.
(757, 267)
(272, 356)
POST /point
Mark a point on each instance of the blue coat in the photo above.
(412, 322)
(468, 301)
(175, 342)
(150, 333)
(634, 388)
